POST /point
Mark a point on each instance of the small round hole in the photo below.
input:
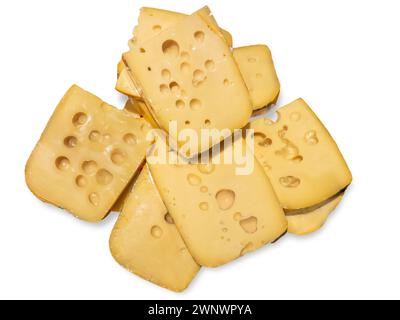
(130, 139)
(157, 28)
(71, 142)
(166, 74)
(118, 157)
(164, 89)
(81, 181)
(174, 87)
(79, 119)
(195, 104)
(180, 104)
(62, 163)
(95, 136)
(199, 36)
(210, 65)
(89, 167)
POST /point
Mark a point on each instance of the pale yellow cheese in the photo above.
(220, 215)
(87, 155)
(187, 74)
(125, 84)
(304, 224)
(302, 160)
(153, 21)
(146, 241)
(139, 107)
(258, 70)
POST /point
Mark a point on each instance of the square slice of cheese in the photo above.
(258, 70)
(306, 223)
(221, 215)
(87, 155)
(146, 241)
(187, 74)
(303, 162)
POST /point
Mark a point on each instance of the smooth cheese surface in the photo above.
(304, 224)
(187, 74)
(258, 70)
(220, 215)
(146, 241)
(152, 21)
(302, 160)
(87, 155)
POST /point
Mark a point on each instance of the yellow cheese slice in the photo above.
(220, 215)
(87, 155)
(153, 21)
(258, 70)
(146, 241)
(187, 74)
(306, 223)
(300, 157)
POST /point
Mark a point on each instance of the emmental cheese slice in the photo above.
(152, 21)
(220, 215)
(187, 74)
(308, 222)
(258, 70)
(300, 157)
(146, 241)
(87, 155)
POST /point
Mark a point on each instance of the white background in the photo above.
(343, 57)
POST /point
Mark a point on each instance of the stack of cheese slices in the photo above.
(178, 217)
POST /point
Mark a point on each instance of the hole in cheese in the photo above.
(171, 48)
(62, 163)
(225, 199)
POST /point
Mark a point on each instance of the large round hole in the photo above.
(171, 48)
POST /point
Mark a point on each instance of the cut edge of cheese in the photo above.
(305, 222)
